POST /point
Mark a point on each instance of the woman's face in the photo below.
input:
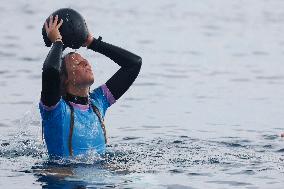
(79, 71)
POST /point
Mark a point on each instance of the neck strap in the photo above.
(76, 99)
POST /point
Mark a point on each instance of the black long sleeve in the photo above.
(50, 93)
(130, 64)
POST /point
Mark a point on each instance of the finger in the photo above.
(55, 21)
(60, 23)
(50, 21)
(46, 27)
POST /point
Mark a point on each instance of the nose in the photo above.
(85, 63)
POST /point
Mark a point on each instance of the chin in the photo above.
(86, 83)
(91, 81)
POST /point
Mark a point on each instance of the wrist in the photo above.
(95, 44)
(58, 39)
(89, 41)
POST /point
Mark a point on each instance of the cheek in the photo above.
(73, 75)
(82, 75)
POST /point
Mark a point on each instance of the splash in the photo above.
(27, 139)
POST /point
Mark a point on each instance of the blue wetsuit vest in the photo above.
(87, 132)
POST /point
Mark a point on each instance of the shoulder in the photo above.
(102, 98)
(102, 93)
(49, 112)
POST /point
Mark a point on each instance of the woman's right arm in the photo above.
(50, 93)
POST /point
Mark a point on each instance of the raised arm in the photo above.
(50, 93)
(130, 66)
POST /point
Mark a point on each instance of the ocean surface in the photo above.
(206, 111)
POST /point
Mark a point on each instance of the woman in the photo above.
(72, 116)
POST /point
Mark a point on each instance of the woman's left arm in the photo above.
(130, 65)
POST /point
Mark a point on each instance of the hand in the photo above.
(89, 40)
(52, 29)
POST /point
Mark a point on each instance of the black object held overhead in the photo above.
(74, 30)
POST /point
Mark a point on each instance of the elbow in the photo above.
(138, 62)
(136, 65)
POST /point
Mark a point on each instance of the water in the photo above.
(205, 112)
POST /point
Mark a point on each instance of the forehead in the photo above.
(74, 58)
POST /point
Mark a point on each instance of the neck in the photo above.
(78, 91)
